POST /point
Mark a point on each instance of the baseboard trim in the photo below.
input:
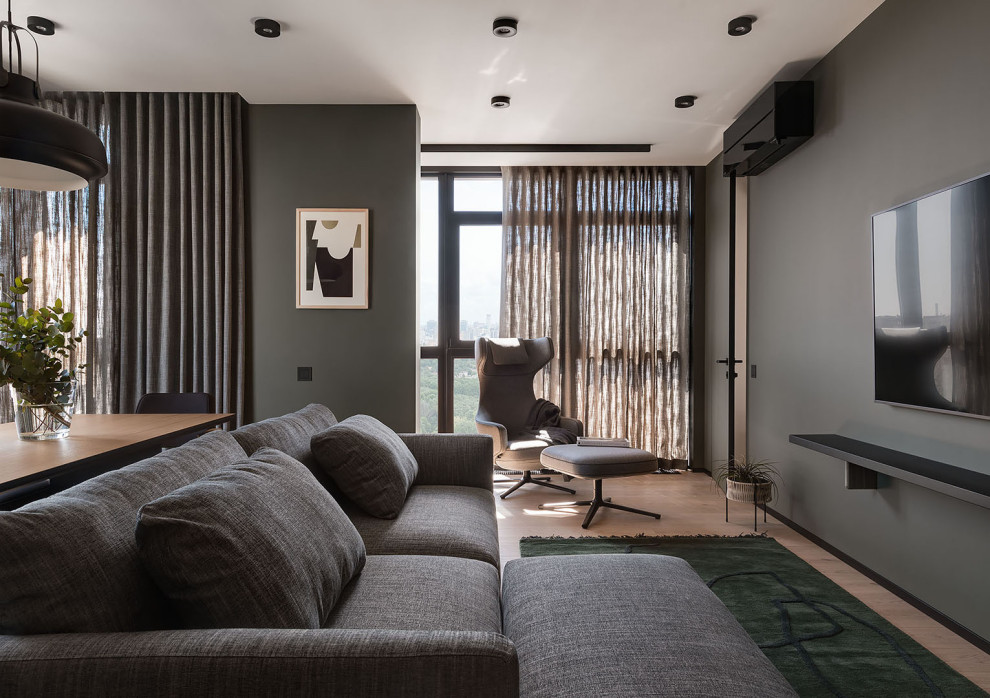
(936, 615)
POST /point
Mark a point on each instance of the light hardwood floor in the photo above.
(690, 505)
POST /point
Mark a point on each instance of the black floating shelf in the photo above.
(864, 460)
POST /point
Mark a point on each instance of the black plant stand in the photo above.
(528, 479)
(755, 509)
(597, 503)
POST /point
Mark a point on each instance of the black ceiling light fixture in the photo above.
(500, 102)
(267, 28)
(40, 25)
(741, 26)
(684, 101)
(39, 149)
(505, 27)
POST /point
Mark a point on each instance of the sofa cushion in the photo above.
(70, 563)
(420, 592)
(369, 463)
(436, 520)
(258, 544)
(647, 624)
(290, 434)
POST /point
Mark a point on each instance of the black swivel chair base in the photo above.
(597, 503)
(528, 479)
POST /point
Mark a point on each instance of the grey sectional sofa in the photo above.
(425, 617)
(449, 511)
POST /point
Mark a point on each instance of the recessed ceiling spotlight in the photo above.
(685, 101)
(741, 26)
(500, 102)
(40, 25)
(267, 28)
(504, 27)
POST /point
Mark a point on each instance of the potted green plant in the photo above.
(746, 480)
(36, 351)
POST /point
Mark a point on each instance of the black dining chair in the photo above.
(176, 403)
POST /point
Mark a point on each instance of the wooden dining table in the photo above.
(96, 443)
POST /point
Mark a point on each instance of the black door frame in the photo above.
(449, 344)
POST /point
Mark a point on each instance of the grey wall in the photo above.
(330, 156)
(901, 111)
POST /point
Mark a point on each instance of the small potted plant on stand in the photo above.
(747, 480)
(36, 348)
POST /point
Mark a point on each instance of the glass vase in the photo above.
(44, 411)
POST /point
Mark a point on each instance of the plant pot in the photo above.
(752, 492)
(43, 412)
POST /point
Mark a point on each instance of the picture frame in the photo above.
(332, 258)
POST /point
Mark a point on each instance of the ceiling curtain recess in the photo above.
(598, 259)
(151, 257)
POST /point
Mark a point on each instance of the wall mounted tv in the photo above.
(931, 301)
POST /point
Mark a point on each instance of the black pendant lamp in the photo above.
(39, 149)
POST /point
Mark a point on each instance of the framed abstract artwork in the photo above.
(332, 258)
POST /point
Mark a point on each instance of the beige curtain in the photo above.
(598, 259)
(60, 240)
(152, 257)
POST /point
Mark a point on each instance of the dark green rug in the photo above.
(825, 641)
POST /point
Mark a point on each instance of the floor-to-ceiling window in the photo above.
(460, 268)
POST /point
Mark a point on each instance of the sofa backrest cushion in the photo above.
(258, 544)
(369, 463)
(290, 434)
(70, 562)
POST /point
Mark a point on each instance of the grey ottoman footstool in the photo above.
(596, 463)
(627, 625)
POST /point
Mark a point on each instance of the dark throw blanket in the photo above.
(544, 425)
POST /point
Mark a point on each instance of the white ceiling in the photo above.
(579, 71)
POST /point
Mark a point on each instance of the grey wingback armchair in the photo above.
(506, 369)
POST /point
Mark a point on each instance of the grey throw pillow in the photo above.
(258, 544)
(69, 563)
(369, 463)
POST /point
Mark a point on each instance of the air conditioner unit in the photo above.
(777, 122)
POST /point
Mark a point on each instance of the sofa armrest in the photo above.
(452, 459)
(575, 426)
(249, 662)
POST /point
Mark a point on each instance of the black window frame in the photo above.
(449, 344)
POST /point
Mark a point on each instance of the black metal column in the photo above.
(731, 361)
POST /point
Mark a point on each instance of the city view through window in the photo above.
(478, 273)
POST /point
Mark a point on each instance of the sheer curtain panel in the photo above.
(60, 239)
(151, 258)
(598, 259)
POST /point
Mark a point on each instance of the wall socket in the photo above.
(304, 373)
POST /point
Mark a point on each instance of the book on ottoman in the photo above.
(617, 442)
